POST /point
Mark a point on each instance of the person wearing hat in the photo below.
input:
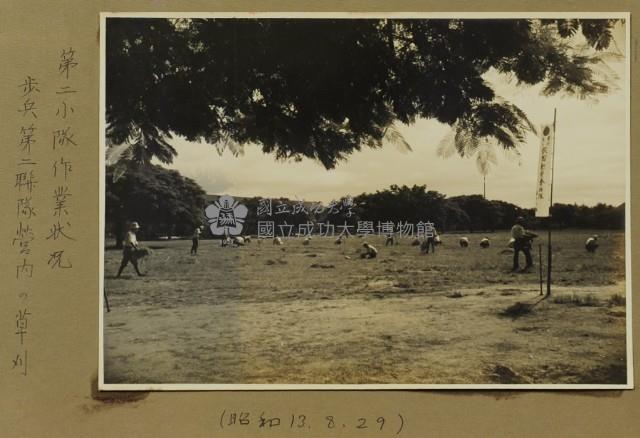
(130, 246)
(521, 242)
(429, 241)
(195, 239)
(370, 251)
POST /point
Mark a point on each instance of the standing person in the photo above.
(521, 242)
(195, 239)
(130, 247)
(430, 242)
(390, 239)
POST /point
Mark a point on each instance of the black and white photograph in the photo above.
(365, 201)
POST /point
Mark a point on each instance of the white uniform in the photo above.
(131, 240)
(370, 252)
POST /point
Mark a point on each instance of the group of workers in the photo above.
(520, 237)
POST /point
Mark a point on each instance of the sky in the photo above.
(590, 161)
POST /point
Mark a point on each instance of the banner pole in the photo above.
(553, 156)
(484, 186)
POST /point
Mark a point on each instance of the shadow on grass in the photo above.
(614, 374)
(520, 309)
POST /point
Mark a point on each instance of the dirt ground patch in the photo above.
(228, 316)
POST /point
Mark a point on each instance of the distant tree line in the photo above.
(581, 216)
(474, 213)
(168, 204)
(466, 213)
(164, 202)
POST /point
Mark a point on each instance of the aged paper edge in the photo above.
(355, 15)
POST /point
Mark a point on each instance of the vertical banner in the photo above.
(543, 189)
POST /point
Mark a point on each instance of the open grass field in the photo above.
(320, 314)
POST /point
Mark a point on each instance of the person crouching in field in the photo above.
(370, 252)
(591, 244)
(130, 249)
(521, 242)
(195, 241)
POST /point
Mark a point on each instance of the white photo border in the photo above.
(102, 386)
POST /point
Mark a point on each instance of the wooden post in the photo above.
(549, 256)
(106, 300)
(551, 205)
(540, 263)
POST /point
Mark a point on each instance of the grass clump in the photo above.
(617, 300)
(577, 300)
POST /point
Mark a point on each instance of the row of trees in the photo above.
(581, 216)
(167, 204)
